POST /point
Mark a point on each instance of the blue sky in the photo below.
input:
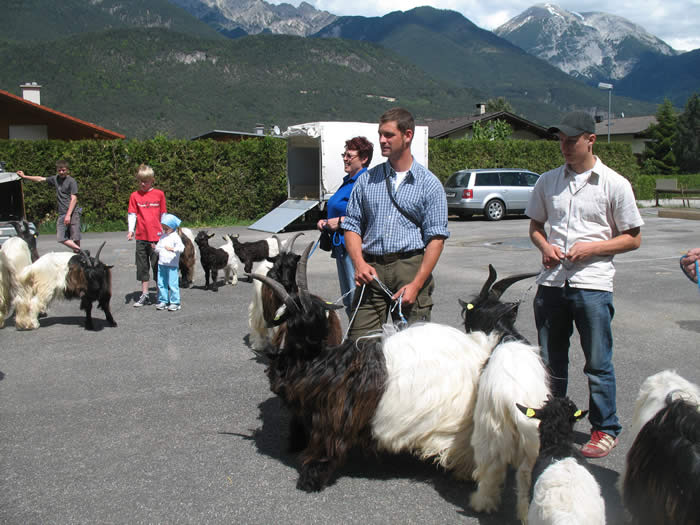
(676, 22)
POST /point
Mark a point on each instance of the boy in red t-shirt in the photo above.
(146, 207)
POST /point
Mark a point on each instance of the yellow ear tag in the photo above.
(577, 413)
(470, 306)
(530, 413)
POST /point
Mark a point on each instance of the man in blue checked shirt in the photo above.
(395, 229)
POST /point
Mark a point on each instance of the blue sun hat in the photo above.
(170, 220)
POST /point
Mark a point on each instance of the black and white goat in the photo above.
(563, 491)
(660, 483)
(212, 259)
(409, 391)
(513, 373)
(255, 251)
(68, 276)
(264, 303)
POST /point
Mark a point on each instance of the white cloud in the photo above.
(677, 22)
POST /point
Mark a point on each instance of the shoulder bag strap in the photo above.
(398, 207)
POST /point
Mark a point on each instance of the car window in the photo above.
(461, 178)
(487, 179)
(510, 178)
(531, 178)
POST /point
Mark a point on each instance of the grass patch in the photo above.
(49, 227)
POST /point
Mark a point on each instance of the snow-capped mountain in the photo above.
(593, 45)
(239, 17)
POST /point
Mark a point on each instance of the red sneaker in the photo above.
(599, 445)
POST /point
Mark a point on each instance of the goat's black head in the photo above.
(557, 418)
(306, 315)
(202, 238)
(96, 272)
(486, 312)
(25, 233)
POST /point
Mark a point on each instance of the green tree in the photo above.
(659, 156)
(498, 104)
(688, 136)
(495, 130)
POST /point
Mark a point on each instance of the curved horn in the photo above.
(278, 289)
(290, 245)
(501, 286)
(97, 256)
(489, 281)
(302, 282)
(279, 243)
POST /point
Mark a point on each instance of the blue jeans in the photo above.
(557, 310)
(168, 280)
(346, 276)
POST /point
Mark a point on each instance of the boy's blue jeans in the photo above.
(557, 310)
(168, 280)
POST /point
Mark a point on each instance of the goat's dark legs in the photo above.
(319, 464)
(86, 304)
(104, 305)
(206, 278)
(214, 280)
(298, 436)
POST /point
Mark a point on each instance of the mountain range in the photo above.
(147, 66)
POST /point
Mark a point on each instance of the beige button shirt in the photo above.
(596, 207)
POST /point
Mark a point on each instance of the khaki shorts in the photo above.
(375, 304)
(71, 231)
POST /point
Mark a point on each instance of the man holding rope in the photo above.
(395, 229)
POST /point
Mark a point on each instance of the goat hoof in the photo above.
(309, 484)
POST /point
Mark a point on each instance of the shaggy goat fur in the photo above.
(660, 482)
(68, 276)
(14, 257)
(564, 491)
(411, 391)
(513, 373)
(188, 257)
(212, 259)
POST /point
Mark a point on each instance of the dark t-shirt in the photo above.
(65, 187)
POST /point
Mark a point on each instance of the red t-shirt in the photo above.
(148, 207)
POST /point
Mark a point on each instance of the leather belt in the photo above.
(388, 258)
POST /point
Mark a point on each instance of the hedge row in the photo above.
(203, 180)
(206, 180)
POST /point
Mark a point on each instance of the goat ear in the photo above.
(580, 414)
(210, 236)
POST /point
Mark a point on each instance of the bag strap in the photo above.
(398, 207)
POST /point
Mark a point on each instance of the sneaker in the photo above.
(173, 307)
(599, 445)
(161, 306)
(142, 300)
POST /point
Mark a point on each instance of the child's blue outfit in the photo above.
(168, 262)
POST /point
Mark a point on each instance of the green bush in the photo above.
(203, 180)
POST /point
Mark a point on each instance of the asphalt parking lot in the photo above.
(168, 418)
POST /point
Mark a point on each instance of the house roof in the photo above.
(625, 126)
(441, 128)
(31, 106)
(224, 133)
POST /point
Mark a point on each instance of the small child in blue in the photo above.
(169, 248)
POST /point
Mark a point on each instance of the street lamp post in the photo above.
(608, 88)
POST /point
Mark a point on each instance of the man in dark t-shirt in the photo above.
(68, 222)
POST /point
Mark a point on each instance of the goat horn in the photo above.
(302, 281)
(277, 288)
(290, 246)
(489, 281)
(279, 243)
(501, 286)
(97, 256)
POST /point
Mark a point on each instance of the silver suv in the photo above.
(493, 192)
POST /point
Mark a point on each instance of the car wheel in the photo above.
(495, 210)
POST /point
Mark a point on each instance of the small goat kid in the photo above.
(564, 491)
(513, 373)
(410, 391)
(255, 251)
(62, 274)
(660, 483)
(212, 259)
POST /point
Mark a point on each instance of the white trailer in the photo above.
(315, 167)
